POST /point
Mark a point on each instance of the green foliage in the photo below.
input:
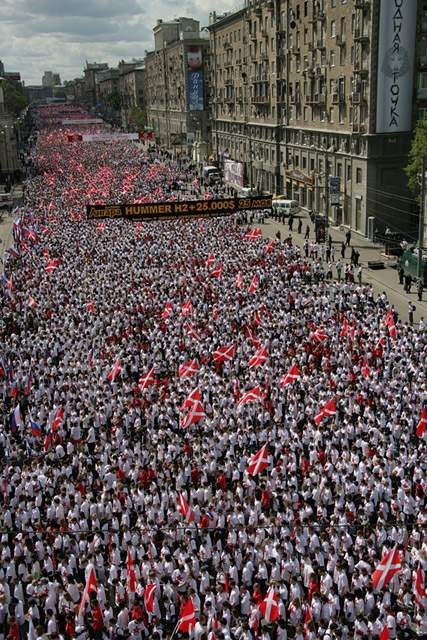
(14, 98)
(418, 150)
(137, 118)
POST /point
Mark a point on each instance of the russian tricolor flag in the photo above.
(16, 418)
(35, 429)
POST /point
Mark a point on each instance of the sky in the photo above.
(60, 35)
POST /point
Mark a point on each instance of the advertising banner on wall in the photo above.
(396, 50)
(233, 173)
(195, 90)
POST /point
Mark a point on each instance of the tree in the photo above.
(417, 151)
(14, 99)
(137, 118)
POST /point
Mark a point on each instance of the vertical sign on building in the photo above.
(195, 79)
(396, 51)
(334, 189)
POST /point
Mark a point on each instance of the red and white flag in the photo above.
(328, 410)
(420, 593)
(32, 303)
(253, 234)
(210, 260)
(290, 376)
(421, 426)
(239, 281)
(188, 369)
(131, 573)
(259, 461)
(57, 419)
(187, 617)
(117, 367)
(167, 310)
(147, 380)
(52, 265)
(390, 324)
(217, 272)
(186, 308)
(258, 358)
(254, 285)
(185, 509)
(90, 587)
(224, 353)
(149, 592)
(269, 247)
(192, 332)
(388, 567)
(194, 408)
(344, 328)
(249, 396)
(269, 607)
(319, 335)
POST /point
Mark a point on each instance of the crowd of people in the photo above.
(200, 437)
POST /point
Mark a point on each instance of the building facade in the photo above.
(131, 89)
(175, 74)
(298, 96)
(89, 87)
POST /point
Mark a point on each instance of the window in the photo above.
(333, 29)
(341, 113)
(298, 12)
(306, 113)
(296, 161)
(312, 164)
(304, 162)
(305, 8)
(331, 114)
(342, 55)
(339, 169)
(358, 175)
(422, 80)
(322, 115)
(332, 58)
(333, 3)
(348, 172)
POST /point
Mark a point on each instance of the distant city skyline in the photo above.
(38, 35)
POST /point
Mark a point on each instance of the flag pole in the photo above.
(175, 630)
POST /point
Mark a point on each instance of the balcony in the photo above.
(261, 100)
(360, 69)
(362, 4)
(361, 36)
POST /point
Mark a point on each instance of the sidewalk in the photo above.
(382, 280)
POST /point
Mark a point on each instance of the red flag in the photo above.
(254, 285)
(239, 281)
(149, 597)
(117, 367)
(384, 635)
(269, 607)
(421, 427)
(224, 353)
(195, 411)
(147, 380)
(319, 335)
(253, 394)
(388, 567)
(292, 374)
(186, 308)
(210, 260)
(31, 302)
(419, 588)
(217, 272)
(187, 369)
(90, 587)
(365, 371)
(329, 409)
(187, 617)
(167, 310)
(258, 358)
(253, 234)
(185, 509)
(192, 332)
(131, 573)
(52, 265)
(259, 461)
(90, 307)
(57, 419)
(390, 324)
(269, 248)
(344, 328)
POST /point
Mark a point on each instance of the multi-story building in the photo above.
(245, 105)
(304, 91)
(51, 79)
(131, 90)
(89, 92)
(175, 83)
(9, 158)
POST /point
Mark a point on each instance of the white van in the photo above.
(284, 208)
(211, 174)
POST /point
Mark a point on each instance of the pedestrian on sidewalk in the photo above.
(420, 289)
(359, 275)
(342, 250)
(291, 222)
(356, 258)
(348, 238)
(330, 241)
(411, 309)
(352, 256)
(338, 267)
(307, 232)
(401, 273)
(408, 283)
(300, 225)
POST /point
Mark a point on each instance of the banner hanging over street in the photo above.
(178, 210)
